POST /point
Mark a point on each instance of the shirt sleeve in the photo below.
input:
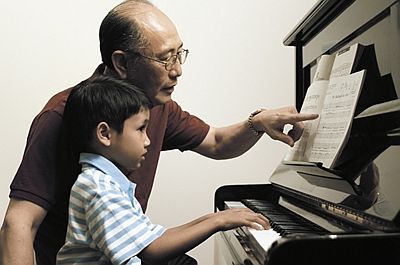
(35, 178)
(118, 226)
(184, 131)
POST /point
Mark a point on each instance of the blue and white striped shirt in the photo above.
(106, 223)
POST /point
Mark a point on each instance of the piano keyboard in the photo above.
(283, 222)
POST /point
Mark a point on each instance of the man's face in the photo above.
(151, 76)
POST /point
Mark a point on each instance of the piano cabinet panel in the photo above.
(228, 250)
(223, 254)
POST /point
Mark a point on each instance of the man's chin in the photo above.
(161, 101)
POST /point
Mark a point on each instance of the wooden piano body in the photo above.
(356, 216)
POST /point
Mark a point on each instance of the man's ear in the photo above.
(119, 62)
(103, 133)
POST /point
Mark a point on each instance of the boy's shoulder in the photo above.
(95, 180)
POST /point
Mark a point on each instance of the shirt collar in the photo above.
(107, 167)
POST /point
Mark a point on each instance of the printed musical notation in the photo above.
(333, 95)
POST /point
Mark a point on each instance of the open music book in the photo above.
(333, 94)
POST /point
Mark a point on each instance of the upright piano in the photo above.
(349, 214)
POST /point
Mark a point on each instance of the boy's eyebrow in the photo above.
(145, 122)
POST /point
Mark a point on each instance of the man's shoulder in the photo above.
(50, 117)
(57, 102)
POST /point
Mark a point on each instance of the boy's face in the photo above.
(129, 148)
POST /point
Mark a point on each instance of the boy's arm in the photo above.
(178, 240)
(18, 231)
(192, 223)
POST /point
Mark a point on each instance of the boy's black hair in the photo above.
(99, 99)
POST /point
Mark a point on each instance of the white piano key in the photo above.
(265, 237)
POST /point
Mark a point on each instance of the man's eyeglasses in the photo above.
(171, 61)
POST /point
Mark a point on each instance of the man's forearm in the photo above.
(228, 142)
(16, 246)
(236, 140)
(18, 232)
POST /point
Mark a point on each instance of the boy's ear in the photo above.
(119, 61)
(103, 133)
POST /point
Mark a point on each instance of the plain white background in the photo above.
(237, 63)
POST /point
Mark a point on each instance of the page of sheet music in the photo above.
(312, 103)
(335, 100)
(344, 60)
(324, 67)
(336, 118)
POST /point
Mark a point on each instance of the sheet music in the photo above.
(344, 61)
(324, 67)
(336, 118)
(313, 103)
(333, 95)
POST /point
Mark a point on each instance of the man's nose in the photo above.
(176, 70)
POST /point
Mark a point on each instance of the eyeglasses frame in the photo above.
(168, 61)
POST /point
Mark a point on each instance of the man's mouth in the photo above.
(169, 89)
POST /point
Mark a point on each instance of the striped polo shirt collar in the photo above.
(108, 168)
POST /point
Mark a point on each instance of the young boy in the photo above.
(106, 121)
